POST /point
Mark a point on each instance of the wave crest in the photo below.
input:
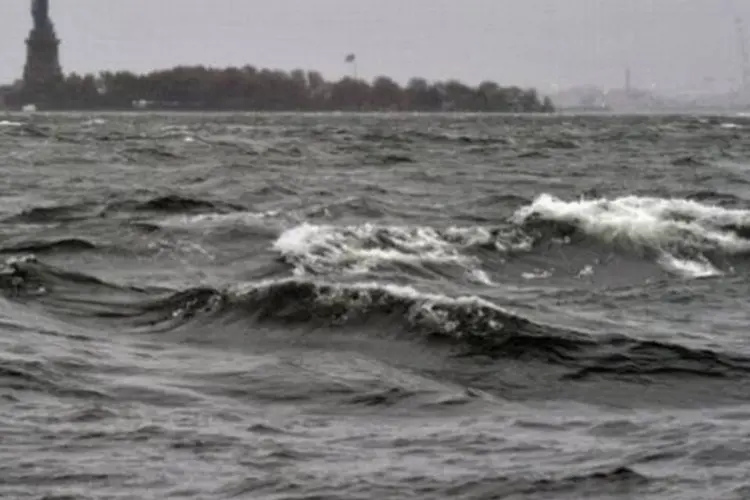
(321, 249)
(682, 233)
(468, 325)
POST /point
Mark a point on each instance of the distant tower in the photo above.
(42, 72)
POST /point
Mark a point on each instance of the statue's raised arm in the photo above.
(40, 11)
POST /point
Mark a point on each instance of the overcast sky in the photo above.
(674, 44)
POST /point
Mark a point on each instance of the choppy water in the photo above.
(368, 307)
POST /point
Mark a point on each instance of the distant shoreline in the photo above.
(193, 109)
(200, 88)
(17, 112)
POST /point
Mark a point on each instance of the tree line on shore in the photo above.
(249, 88)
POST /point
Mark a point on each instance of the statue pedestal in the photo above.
(42, 74)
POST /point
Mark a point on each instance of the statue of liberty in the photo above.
(40, 12)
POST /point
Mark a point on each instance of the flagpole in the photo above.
(352, 59)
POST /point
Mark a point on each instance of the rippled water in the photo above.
(374, 306)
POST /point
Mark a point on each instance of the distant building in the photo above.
(42, 73)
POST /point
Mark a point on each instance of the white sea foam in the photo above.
(668, 226)
(214, 220)
(363, 247)
(690, 268)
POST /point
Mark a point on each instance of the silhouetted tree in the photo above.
(250, 88)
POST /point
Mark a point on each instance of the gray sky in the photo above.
(674, 44)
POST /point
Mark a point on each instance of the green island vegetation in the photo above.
(252, 89)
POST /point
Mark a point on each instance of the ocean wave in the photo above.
(53, 213)
(177, 203)
(685, 237)
(321, 249)
(41, 247)
(486, 255)
(470, 325)
(683, 234)
(595, 484)
(160, 153)
(164, 204)
(479, 326)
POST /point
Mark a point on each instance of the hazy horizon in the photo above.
(670, 44)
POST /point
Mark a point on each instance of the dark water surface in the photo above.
(374, 307)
